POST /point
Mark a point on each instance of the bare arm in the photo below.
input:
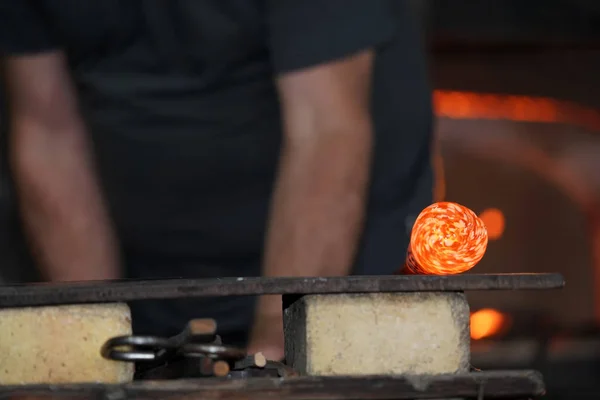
(61, 205)
(319, 198)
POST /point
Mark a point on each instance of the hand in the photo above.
(267, 332)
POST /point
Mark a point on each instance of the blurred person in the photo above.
(213, 138)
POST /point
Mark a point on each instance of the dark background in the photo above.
(535, 47)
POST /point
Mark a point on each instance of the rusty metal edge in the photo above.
(494, 384)
(121, 291)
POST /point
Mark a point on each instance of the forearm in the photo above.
(318, 203)
(62, 209)
(319, 198)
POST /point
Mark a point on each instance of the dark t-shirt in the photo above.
(179, 99)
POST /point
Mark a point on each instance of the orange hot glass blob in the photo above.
(447, 238)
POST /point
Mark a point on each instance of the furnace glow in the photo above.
(487, 322)
(447, 238)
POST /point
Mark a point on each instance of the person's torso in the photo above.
(179, 98)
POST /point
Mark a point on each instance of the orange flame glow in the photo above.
(487, 322)
(469, 105)
(494, 221)
(447, 238)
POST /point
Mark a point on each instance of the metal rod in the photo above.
(117, 291)
(498, 384)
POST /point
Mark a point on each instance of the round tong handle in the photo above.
(136, 348)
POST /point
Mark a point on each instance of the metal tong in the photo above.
(195, 352)
(198, 341)
(198, 338)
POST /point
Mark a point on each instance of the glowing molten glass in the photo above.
(446, 239)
